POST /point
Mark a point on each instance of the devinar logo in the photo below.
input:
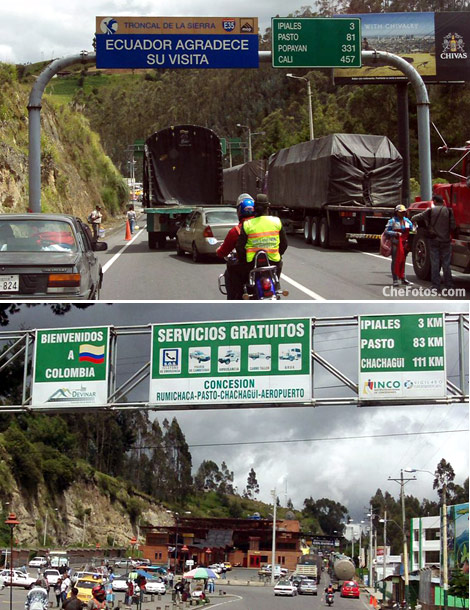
(81, 395)
(388, 386)
(453, 47)
(109, 25)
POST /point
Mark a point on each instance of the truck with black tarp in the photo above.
(245, 178)
(182, 170)
(338, 187)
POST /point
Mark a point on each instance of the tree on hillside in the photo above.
(252, 486)
(328, 513)
(444, 476)
(179, 461)
(290, 506)
(226, 480)
(207, 477)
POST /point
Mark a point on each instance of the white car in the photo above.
(284, 587)
(155, 586)
(52, 576)
(216, 567)
(37, 562)
(120, 582)
(20, 579)
(125, 563)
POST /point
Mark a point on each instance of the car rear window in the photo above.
(222, 216)
(36, 236)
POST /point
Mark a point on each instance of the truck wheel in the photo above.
(308, 230)
(195, 253)
(421, 256)
(152, 241)
(324, 233)
(316, 231)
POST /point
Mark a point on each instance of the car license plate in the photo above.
(9, 283)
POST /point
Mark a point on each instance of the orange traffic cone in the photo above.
(128, 231)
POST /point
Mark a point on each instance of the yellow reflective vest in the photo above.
(262, 234)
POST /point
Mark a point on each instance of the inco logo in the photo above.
(228, 24)
(109, 25)
(371, 387)
(81, 395)
(453, 47)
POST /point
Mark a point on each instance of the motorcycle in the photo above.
(263, 281)
(329, 598)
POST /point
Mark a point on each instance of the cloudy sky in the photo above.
(335, 452)
(33, 31)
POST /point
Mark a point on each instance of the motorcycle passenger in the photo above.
(398, 230)
(233, 283)
(263, 232)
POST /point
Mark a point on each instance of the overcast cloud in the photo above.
(32, 31)
(349, 470)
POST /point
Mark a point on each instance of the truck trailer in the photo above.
(182, 170)
(341, 569)
(338, 187)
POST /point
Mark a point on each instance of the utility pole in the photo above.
(445, 575)
(371, 542)
(273, 548)
(402, 482)
(384, 584)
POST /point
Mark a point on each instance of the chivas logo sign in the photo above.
(453, 47)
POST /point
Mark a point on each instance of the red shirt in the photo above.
(231, 239)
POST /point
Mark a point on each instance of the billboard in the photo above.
(70, 367)
(457, 537)
(402, 356)
(437, 45)
(265, 361)
(176, 42)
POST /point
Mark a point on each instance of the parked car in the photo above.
(125, 562)
(204, 230)
(143, 562)
(85, 586)
(48, 256)
(350, 588)
(37, 562)
(285, 587)
(307, 585)
(20, 579)
(216, 567)
(200, 356)
(297, 578)
(228, 565)
(52, 576)
(155, 585)
(120, 582)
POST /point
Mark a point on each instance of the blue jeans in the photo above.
(131, 224)
(440, 254)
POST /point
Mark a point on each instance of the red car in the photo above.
(350, 588)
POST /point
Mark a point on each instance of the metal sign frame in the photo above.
(18, 347)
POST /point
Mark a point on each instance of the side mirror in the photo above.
(100, 246)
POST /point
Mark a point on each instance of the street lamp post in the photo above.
(384, 585)
(250, 156)
(309, 94)
(11, 522)
(371, 542)
(273, 548)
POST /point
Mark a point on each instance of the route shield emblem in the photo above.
(228, 24)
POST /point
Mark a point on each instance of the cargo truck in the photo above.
(182, 170)
(245, 178)
(310, 565)
(338, 187)
(341, 569)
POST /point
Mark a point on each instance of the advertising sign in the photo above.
(71, 367)
(176, 42)
(437, 45)
(457, 537)
(266, 361)
(402, 356)
(315, 42)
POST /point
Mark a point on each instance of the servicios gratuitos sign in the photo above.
(266, 361)
(71, 366)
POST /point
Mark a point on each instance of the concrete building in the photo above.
(425, 542)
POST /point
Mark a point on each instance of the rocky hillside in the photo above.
(76, 174)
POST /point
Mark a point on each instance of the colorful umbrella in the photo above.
(200, 573)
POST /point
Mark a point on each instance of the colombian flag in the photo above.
(91, 353)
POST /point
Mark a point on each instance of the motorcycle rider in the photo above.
(329, 593)
(37, 598)
(98, 601)
(245, 211)
(264, 232)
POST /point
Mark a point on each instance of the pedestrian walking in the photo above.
(440, 223)
(95, 218)
(129, 593)
(131, 217)
(210, 585)
(64, 588)
(57, 591)
(398, 230)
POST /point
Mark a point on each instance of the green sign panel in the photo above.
(402, 356)
(71, 366)
(265, 361)
(316, 43)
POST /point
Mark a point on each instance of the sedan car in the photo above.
(52, 576)
(285, 587)
(120, 582)
(350, 588)
(37, 562)
(155, 585)
(48, 256)
(204, 230)
(20, 579)
(307, 585)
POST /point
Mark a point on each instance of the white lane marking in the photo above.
(228, 601)
(310, 293)
(385, 258)
(107, 265)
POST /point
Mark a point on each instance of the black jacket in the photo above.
(439, 220)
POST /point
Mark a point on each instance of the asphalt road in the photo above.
(134, 272)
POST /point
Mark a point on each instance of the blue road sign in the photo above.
(176, 51)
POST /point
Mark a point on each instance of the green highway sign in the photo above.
(71, 366)
(316, 42)
(265, 361)
(402, 356)
(223, 145)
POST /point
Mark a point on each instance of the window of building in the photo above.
(416, 535)
(416, 557)
(432, 557)
(432, 534)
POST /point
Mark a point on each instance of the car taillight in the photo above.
(63, 280)
(208, 232)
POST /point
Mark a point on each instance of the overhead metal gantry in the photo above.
(331, 360)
